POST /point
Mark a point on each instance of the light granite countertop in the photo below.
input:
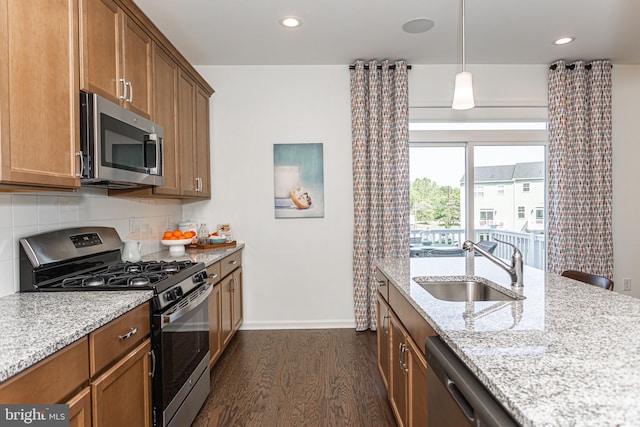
(35, 325)
(566, 355)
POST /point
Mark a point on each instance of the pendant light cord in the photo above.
(464, 54)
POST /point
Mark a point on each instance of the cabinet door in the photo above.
(165, 112)
(202, 161)
(136, 56)
(122, 395)
(384, 340)
(215, 347)
(39, 101)
(236, 295)
(100, 48)
(186, 134)
(398, 372)
(80, 409)
(417, 387)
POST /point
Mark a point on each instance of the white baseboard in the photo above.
(298, 324)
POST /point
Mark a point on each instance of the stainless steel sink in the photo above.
(463, 290)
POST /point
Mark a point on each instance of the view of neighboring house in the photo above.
(508, 197)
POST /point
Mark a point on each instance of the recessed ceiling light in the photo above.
(419, 25)
(290, 22)
(564, 40)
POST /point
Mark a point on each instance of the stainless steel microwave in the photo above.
(120, 149)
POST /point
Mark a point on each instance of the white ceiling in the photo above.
(243, 32)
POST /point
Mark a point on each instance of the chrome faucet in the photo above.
(514, 270)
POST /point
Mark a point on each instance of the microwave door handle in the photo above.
(156, 142)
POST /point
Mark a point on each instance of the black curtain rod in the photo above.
(572, 66)
(379, 67)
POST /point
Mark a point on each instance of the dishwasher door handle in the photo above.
(463, 404)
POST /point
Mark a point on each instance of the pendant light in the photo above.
(463, 91)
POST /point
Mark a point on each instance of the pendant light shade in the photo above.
(463, 90)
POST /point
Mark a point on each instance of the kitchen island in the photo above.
(568, 354)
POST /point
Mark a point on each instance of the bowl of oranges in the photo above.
(176, 239)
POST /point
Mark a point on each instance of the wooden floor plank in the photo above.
(292, 378)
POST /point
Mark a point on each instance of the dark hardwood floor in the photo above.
(297, 378)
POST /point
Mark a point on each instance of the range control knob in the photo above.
(173, 294)
(199, 277)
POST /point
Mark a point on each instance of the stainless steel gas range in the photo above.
(88, 259)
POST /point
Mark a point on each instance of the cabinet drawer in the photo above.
(118, 337)
(230, 263)
(52, 379)
(383, 285)
(214, 272)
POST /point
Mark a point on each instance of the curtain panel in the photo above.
(580, 168)
(380, 157)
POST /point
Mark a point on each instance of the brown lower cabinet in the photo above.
(100, 392)
(122, 395)
(225, 303)
(80, 409)
(401, 361)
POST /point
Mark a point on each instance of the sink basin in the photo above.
(463, 290)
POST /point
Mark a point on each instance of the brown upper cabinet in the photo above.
(39, 103)
(115, 56)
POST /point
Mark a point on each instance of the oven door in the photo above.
(181, 345)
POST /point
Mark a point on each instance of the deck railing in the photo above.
(532, 245)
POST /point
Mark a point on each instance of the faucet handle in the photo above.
(515, 248)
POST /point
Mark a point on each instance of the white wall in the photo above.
(626, 191)
(297, 272)
(26, 214)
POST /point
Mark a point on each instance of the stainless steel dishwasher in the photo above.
(456, 397)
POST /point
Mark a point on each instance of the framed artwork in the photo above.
(298, 180)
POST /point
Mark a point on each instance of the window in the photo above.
(466, 180)
(486, 217)
(539, 215)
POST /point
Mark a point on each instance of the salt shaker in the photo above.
(203, 234)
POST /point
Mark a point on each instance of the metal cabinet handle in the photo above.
(79, 154)
(385, 319)
(233, 262)
(382, 283)
(405, 350)
(213, 276)
(130, 99)
(123, 97)
(129, 334)
(153, 363)
(400, 356)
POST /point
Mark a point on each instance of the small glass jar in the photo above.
(203, 234)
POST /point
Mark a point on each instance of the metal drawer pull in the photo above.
(213, 276)
(233, 262)
(128, 335)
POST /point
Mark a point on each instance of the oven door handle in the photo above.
(191, 305)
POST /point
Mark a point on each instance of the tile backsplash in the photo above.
(26, 214)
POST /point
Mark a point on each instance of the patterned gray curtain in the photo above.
(580, 170)
(380, 148)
